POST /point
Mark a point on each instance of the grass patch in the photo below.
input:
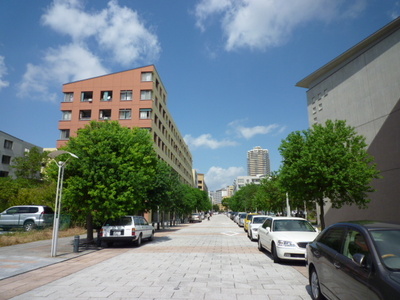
(22, 237)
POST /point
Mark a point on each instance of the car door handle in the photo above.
(337, 265)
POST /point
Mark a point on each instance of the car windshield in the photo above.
(259, 220)
(119, 222)
(293, 225)
(387, 243)
(242, 216)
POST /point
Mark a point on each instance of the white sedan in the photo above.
(286, 238)
(255, 222)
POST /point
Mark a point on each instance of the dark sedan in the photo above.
(355, 260)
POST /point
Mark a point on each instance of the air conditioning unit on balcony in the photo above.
(90, 100)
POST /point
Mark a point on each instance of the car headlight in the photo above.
(283, 243)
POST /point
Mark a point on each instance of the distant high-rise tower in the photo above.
(258, 162)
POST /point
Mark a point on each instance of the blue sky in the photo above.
(229, 66)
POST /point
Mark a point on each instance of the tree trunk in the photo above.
(89, 227)
(322, 213)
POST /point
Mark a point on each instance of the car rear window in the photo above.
(119, 222)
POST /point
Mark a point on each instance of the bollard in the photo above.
(76, 243)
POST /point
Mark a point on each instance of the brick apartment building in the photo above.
(135, 98)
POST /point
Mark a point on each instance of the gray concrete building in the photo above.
(10, 148)
(362, 86)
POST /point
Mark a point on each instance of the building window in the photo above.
(64, 134)
(147, 76)
(66, 115)
(3, 174)
(6, 159)
(85, 114)
(68, 97)
(125, 114)
(106, 95)
(320, 106)
(146, 94)
(8, 144)
(87, 96)
(105, 114)
(145, 113)
(126, 95)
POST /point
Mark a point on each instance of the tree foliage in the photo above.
(270, 195)
(244, 199)
(113, 175)
(327, 161)
(30, 165)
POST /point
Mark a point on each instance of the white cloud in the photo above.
(260, 24)
(67, 17)
(127, 37)
(3, 72)
(249, 132)
(207, 141)
(217, 177)
(115, 33)
(67, 63)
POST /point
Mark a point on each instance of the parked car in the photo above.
(247, 221)
(128, 229)
(241, 218)
(27, 217)
(356, 260)
(255, 222)
(286, 238)
(195, 218)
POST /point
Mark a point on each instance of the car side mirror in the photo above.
(359, 259)
(268, 229)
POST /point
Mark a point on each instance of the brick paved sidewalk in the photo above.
(209, 260)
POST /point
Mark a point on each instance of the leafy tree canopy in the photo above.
(30, 165)
(327, 161)
(114, 173)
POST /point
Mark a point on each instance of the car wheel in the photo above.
(315, 288)
(260, 247)
(274, 254)
(29, 225)
(138, 242)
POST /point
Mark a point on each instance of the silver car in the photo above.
(27, 217)
(128, 229)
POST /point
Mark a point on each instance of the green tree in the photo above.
(244, 199)
(29, 166)
(167, 191)
(328, 161)
(270, 195)
(113, 175)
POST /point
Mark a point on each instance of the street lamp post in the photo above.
(57, 206)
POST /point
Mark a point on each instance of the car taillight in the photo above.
(133, 231)
(101, 232)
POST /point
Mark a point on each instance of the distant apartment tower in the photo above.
(362, 86)
(135, 98)
(258, 162)
(10, 148)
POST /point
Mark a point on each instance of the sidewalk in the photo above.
(209, 260)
